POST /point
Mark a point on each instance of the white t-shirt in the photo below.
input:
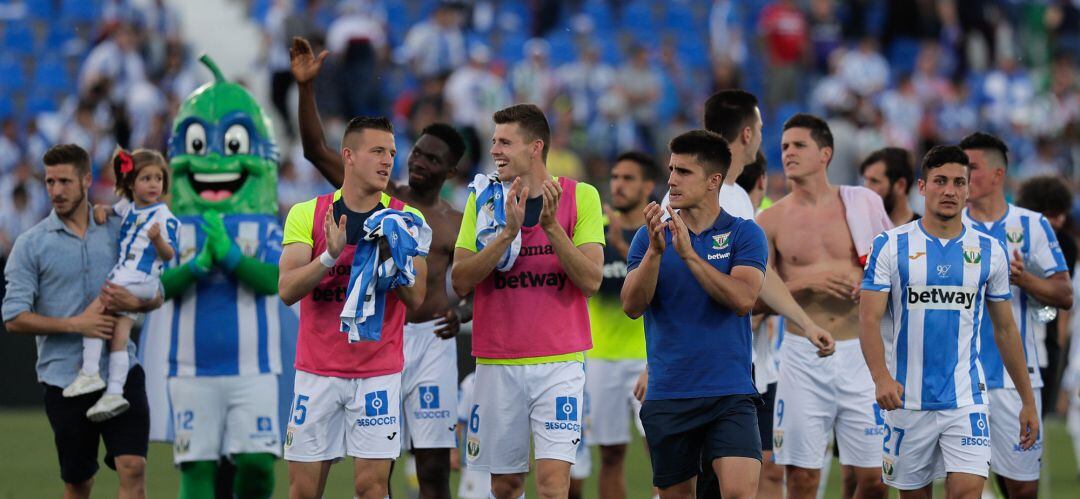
(733, 199)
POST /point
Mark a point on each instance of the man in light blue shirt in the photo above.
(55, 271)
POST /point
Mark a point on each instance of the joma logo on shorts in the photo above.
(940, 297)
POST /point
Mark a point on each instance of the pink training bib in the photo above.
(320, 347)
(534, 310)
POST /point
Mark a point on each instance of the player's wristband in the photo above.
(326, 260)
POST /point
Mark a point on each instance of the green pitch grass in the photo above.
(28, 467)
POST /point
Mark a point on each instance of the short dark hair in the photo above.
(710, 149)
(728, 112)
(752, 172)
(1045, 194)
(647, 164)
(361, 123)
(941, 155)
(819, 130)
(450, 136)
(530, 119)
(982, 141)
(68, 154)
(898, 164)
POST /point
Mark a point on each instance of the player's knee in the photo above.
(81, 489)
(612, 456)
(510, 486)
(1022, 490)
(371, 489)
(803, 480)
(131, 468)
(738, 490)
(870, 486)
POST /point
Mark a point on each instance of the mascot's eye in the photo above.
(195, 139)
(236, 140)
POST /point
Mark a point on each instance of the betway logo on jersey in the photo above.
(528, 279)
(940, 297)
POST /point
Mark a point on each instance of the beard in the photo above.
(889, 201)
(75, 203)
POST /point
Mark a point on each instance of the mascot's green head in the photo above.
(222, 152)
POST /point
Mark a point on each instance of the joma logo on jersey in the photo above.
(940, 297)
(972, 255)
(1014, 235)
(721, 241)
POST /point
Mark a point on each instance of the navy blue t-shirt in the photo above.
(696, 346)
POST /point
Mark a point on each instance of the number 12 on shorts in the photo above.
(889, 431)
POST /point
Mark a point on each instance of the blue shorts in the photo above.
(683, 432)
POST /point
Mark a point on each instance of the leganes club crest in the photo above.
(721, 241)
(972, 255)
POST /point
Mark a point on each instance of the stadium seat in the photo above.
(40, 102)
(80, 11)
(7, 109)
(18, 38)
(12, 75)
(41, 9)
(50, 74)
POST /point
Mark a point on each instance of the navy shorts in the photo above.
(765, 416)
(683, 432)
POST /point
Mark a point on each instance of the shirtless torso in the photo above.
(445, 222)
(813, 252)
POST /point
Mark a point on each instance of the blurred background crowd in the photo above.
(612, 75)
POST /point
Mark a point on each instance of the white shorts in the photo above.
(335, 417)
(513, 402)
(142, 286)
(921, 446)
(582, 467)
(1009, 460)
(474, 484)
(429, 389)
(215, 416)
(817, 396)
(610, 388)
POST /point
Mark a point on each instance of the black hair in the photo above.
(819, 130)
(728, 112)
(982, 141)
(941, 155)
(710, 149)
(450, 136)
(752, 172)
(1045, 194)
(898, 164)
(645, 162)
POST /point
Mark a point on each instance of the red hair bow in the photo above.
(126, 165)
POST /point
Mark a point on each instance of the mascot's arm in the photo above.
(177, 279)
(260, 276)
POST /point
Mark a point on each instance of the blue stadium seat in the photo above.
(6, 106)
(41, 9)
(50, 74)
(18, 38)
(12, 75)
(80, 11)
(40, 102)
(57, 35)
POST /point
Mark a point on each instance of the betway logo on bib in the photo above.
(941, 297)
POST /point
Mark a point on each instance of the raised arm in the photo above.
(298, 273)
(305, 67)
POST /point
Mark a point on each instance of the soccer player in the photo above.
(429, 379)
(531, 321)
(1039, 279)
(696, 278)
(814, 251)
(933, 277)
(618, 354)
(889, 173)
(347, 394)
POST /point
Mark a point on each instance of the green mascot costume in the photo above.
(215, 351)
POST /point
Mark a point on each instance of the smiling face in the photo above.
(512, 151)
(222, 154)
(946, 190)
(369, 158)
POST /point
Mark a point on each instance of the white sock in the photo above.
(91, 354)
(118, 371)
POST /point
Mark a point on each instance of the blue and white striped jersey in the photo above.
(1029, 233)
(936, 292)
(219, 326)
(135, 253)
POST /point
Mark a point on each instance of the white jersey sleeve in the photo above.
(880, 266)
(997, 283)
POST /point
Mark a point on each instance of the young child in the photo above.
(147, 239)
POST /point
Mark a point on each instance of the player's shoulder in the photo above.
(908, 228)
(585, 191)
(774, 212)
(1017, 212)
